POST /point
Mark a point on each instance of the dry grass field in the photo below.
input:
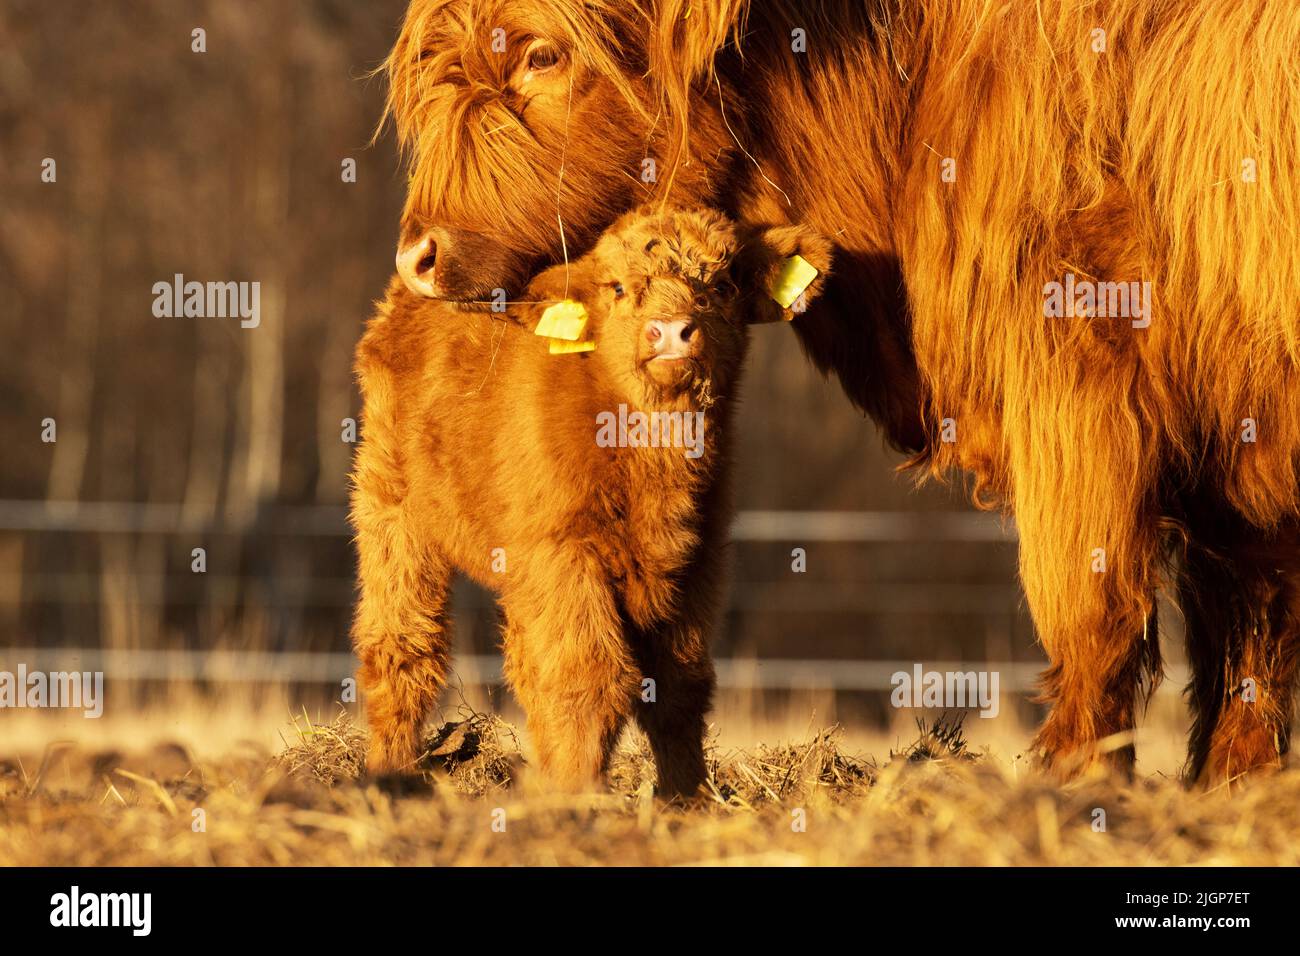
(211, 789)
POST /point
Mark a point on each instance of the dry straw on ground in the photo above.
(933, 802)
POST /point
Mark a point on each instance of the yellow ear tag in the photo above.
(795, 275)
(561, 347)
(563, 320)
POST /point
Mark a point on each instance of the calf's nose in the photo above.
(670, 337)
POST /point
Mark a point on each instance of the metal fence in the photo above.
(288, 666)
(113, 517)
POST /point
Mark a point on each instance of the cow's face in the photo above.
(527, 127)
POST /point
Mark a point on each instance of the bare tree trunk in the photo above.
(334, 399)
(81, 331)
(264, 377)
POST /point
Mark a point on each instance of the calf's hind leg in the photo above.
(673, 717)
(676, 657)
(401, 634)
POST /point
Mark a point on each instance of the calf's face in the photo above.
(669, 294)
(669, 311)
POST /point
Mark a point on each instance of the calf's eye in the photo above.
(618, 289)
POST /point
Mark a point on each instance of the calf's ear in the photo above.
(782, 269)
(574, 281)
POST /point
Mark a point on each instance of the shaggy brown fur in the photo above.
(1160, 151)
(480, 454)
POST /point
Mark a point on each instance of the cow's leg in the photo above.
(1242, 605)
(1094, 687)
(568, 663)
(401, 634)
(1215, 607)
(1089, 553)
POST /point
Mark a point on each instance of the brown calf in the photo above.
(484, 453)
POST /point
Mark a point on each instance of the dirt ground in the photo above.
(934, 800)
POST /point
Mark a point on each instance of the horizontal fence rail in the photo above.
(893, 598)
(1017, 677)
(127, 517)
(330, 521)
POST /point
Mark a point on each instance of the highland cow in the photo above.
(965, 156)
(484, 453)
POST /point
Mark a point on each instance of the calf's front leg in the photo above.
(568, 663)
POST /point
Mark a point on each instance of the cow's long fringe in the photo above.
(445, 48)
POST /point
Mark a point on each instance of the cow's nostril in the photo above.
(428, 260)
(687, 331)
(653, 333)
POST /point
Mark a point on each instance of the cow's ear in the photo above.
(782, 269)
(685, 38)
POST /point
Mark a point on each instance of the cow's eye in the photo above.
(543, 56)
(618, 289)
(724, 288)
